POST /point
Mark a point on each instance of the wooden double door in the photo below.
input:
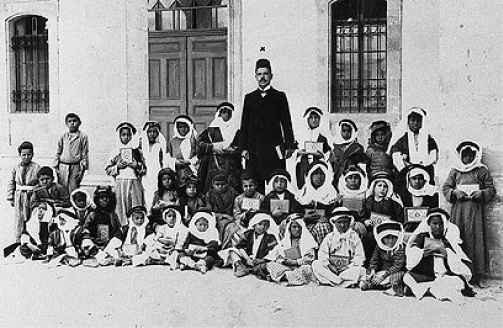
(187, 75)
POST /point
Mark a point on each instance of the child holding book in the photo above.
(22, 182)
(469, 186)
(72, 154)
(126, 166)
(346, 149)
(191, 200)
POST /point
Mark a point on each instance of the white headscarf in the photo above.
(458, 165)
(348, 239)
(386, 229)
(88, 199)
(325, 194)
(33, 224)
(259, 217)
(227, 129)
(389, 195)
(185, 144)
(178, 227)
(305, 133)
(133, 143)
(66, 227)
(338, 140)
(211, 234)
(344, 191)
(270, 184)
(427, 190)
(141, 230)
(151, 154)
(421, 154)
(306, 242)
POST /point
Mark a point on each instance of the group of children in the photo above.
(338, 215)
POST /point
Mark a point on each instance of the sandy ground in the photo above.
(34, 295)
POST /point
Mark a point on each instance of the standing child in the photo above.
(387, 265)
(202, 245)
(379, 159)
(127, 166)
(249, 253)
(169, 238)
(220, 201)
(468, 187)
(346, 148)
(318, 197)
(22, 181)
(278, 189)
(191, 201)
(153, 147)
(49, 191)
(182, 147)
(316, 132)
(72, 154)
(217, 148)
(340, 257)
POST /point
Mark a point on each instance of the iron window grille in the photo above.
(358, 56)
(176, 15)
(30, 51)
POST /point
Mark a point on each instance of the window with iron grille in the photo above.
(358, 69)
(30, 65)
(177, 15)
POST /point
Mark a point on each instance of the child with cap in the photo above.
(126, 165)
(469, 186)
(340, 257)
(387, 265)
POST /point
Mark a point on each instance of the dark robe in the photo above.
(266, 245)
(265, 125)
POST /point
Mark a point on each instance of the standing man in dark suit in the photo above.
(266, 137)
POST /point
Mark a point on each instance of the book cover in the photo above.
(468, 188)
(103, 232)
(353, 203)
(293, 253)
(250, 203)
(282, 204)
(339, 261)
(415, 214)
(313, 146)
(376, 218)
(126, 155)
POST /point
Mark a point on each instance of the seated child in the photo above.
(60, 247)
(316, 131)
(169, 238)
(387, 265)
(242, 211)
(418, 192)
(182, 147)
(49, 191)
(468, 208)
(436, 262)
(318, 197)
(126, 165)
(352, 191)
(346, 148)
(381, 202)
(291, 259)
(379, 159)
(34, 238)
(81, 204)
(191, 201)
(249, 253)
(103, 223)
(200, 251)
(166, 193)
(278, 189)
(340, 257)
(220, 201)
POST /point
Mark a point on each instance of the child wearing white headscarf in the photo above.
(153, 147)
(292, 257)
(182, 146)
(202, 244)
(81, 204)
(217, 148)
(467, 211)
(387, 265)
(318, 193)
(436, 262)
(127, 172)
(340, 257)
(59, 242)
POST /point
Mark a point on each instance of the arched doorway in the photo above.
(187, 60)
